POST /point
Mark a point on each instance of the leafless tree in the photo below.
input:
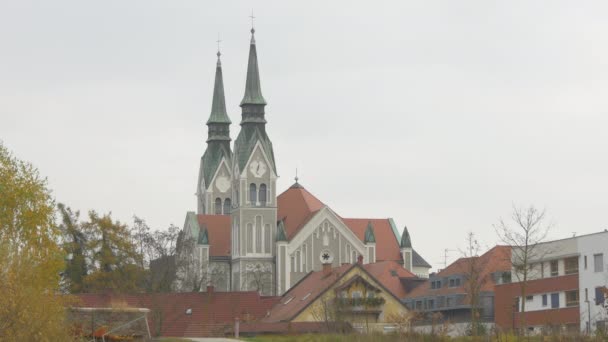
(526, 231)
(474, 279)
(258, 277)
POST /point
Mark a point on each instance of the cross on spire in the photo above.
(252, 17)
(296, 178)
(218, 41)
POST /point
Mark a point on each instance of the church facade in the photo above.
(246, 237)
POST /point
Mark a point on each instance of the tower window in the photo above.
(252, 193)
(218, 206)
(262, 196)
(227, 205)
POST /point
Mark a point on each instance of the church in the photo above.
(249, 238)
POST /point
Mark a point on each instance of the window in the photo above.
(586, 295)
(452, 282)
(227, 206)
(419, 305)
(571, 265)
(516, 304)
(430, 304)
(263, 194)
(253, 193)
(433, 285)
(457, 281)
(544, 300)
(529, 298)
(356, 294)
(506, 277)
(585, 261)
(598, 262)
(572, 298)
(554, 300)
(554, 269)
(449, 302)
(218, 206)
(599, 296)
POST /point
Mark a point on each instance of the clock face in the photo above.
(222, 183)
(257, 168)
(326, 256)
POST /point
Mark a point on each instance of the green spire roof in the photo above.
(203, 237)
(406, 241)
(281, 235)
(253, 91)
(369, 233)
(218, 106)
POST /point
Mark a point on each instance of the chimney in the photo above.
(360, 259)
(326, 269)
(210, 289)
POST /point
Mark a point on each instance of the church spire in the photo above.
(253, 90)
(218, 106)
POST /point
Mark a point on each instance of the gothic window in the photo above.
(347, 252)
(262, 196)
(258, 234)
(267, 240)
(252, 193)
(218, 206)
(298, 261)
(227, 205)
(249, 238)
(354, 257)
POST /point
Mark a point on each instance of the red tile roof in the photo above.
(388, 273)
(305, 292)
(386, 241)
(296, 206)
(496, 259)
(211, 312)
(218, 228)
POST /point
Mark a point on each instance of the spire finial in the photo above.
(296, 178)
(252, 29)
(218, 41)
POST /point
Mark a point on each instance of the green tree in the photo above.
(75, 247)
(115, 262)
(31, 259)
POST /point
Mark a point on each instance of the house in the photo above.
(447, 295)
(351, 294)
(564, 291)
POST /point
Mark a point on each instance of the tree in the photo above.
(163, 259)
(115, 263)
(474, 279)
(75, 248)
(31, 259)
(192, 272)
(524, 234)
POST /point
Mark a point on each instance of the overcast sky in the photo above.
(438, 114)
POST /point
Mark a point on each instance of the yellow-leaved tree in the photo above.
(31, 307)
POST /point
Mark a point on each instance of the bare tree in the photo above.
(258, 277)
(474, 279)
(524, 234)
(192, 272)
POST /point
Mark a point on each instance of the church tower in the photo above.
(254, 216)
(213, 192)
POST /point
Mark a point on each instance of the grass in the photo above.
(412, 338)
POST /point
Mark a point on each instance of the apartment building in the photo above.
(564, 291)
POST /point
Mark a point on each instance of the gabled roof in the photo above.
(315, 284)
(295, 207)
(245, 143)
(211, 160)
(304, 293)
(497, 259)
(218, 233)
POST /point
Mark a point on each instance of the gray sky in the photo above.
(438, 114)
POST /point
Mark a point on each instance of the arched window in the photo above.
(227, 206)
(218, 206)
(262, 196)
(252, 193)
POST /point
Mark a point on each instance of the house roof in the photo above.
(208, 308)
(496, 259)
(304, 293)
(315, 284)
(389, 274)
(218, 233)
